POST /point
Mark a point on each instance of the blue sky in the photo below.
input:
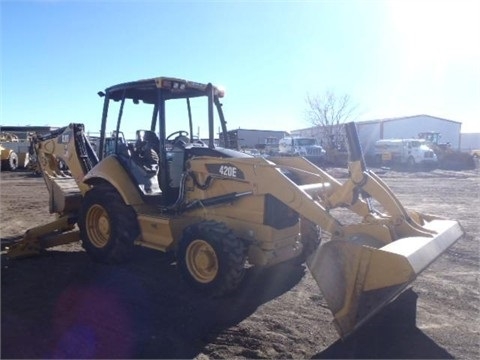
(393, 58)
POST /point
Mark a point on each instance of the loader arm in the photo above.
(367, 263)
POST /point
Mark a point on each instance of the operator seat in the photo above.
(147, 146)
(144, 163)
(149, 137)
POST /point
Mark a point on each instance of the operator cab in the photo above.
(154, 160)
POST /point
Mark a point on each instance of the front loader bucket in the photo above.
(358, 280)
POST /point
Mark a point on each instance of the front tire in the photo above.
(211, 258)
(108, 227)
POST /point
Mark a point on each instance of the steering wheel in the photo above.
(179, 132)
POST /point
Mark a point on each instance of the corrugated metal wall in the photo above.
(407, 127)
(251, 138)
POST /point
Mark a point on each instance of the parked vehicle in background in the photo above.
(306, 147)
(9, 159)
(409, 152)
(271, 145)
(448, 157)
(14, 151)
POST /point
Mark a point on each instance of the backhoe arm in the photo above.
(64, 157)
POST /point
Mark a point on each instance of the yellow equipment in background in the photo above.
(448, 157)
(216, 208)
(9, 158)
(14, 151)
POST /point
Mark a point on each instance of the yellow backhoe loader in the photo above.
(9, 158)
(448, 157)
(14, 151)
(216, 208)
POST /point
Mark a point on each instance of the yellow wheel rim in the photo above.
(98, 226)
(202, 261)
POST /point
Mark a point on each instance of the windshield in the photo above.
(305, 142)
(189, 107)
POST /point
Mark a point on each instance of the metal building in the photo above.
(249, 139)
(407, 127)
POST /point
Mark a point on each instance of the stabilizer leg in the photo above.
(35, 240)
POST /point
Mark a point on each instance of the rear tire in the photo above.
(108, 227)
(10, 164)
(211, 258)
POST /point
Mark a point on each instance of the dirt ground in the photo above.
(63, 305)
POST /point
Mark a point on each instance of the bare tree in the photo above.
(329, 112)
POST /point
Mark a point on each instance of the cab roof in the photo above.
(146, 90)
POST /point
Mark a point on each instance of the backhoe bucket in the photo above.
(357, 280)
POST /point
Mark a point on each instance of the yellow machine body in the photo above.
(266, 204)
